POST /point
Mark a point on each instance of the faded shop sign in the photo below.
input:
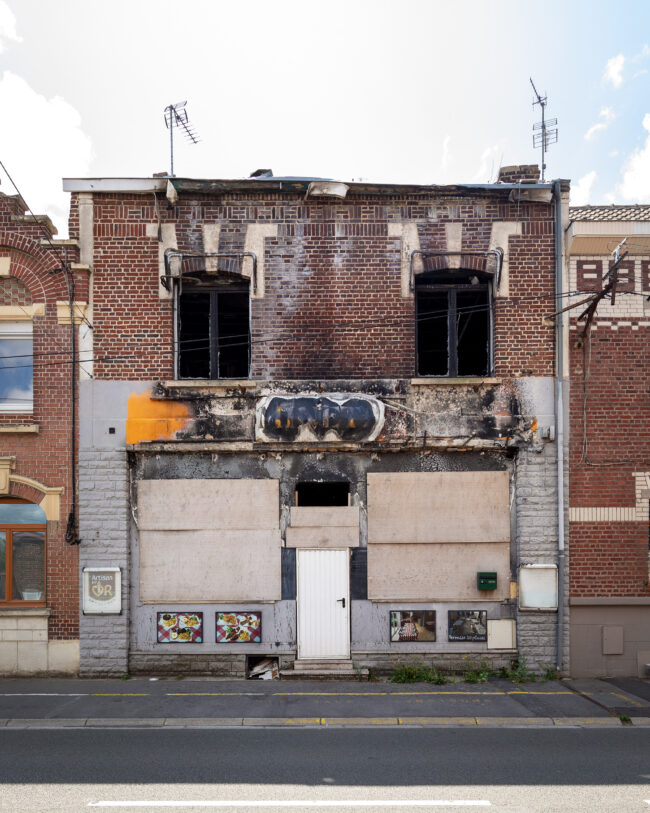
(308, 418)
(102, 590)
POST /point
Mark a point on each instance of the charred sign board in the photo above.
(309, 418)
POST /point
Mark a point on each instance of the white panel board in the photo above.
(323, 537)
(538, 587)
(210, 565)
(438, 507)
(323, 604)
(501, 633)
(179, 505)
(320, 516)
(436, 572)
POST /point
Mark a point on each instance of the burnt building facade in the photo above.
(318, 423)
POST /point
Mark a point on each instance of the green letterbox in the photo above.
(486, 581)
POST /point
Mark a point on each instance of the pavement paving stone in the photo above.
(510, 722)
(216, 722)
(47, 722)
(437, 721)
(641, 721)
(140, 722)
(587, 721)
(281, 721)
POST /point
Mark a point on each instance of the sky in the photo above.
(416, 91)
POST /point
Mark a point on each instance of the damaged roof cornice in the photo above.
(289, 186)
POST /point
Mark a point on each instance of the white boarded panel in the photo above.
(318, 516)
(330, 537)
(437, 572)
(179, 505)
(468, 506)
(210, 565)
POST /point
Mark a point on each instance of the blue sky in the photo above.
(424, 92)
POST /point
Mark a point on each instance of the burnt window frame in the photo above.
(213, 340)
(449, 282)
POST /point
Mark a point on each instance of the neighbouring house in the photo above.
(39, 593)
(318, 424)
(610, 440)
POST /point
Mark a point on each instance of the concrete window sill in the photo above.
(453, 382)
(19, 429)
(22, 612)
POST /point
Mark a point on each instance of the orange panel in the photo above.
(150, 420)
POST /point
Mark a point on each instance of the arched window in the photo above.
(22, 552)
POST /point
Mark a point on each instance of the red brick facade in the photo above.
(333, 305)
(34, 280)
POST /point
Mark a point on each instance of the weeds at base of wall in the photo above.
(517, 673)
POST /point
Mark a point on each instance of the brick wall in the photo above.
(611, 382)
(333, 304)
(45, 456)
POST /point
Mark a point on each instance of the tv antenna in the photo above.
(544, 132)
(176, 116)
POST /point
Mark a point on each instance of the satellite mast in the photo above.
(176, 116)
(544, 132)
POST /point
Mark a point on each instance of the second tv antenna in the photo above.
(544, 132)
(176, 116)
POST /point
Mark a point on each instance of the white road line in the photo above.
(308, 803)
(44, 694)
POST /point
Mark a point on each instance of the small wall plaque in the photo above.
(102, 590)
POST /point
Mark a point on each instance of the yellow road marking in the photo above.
(628, 699)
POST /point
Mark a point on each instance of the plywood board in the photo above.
(436, 572)
(323, 537)
(179, 505)
(438, 507)
(321, 516)
(210, 566)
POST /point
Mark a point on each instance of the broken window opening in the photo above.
(214, 332)
(454, 324)
(318, 494)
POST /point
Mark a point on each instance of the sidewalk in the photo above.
(192, 703)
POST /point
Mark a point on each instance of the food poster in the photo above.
(239, 628)
(412, 625)
(180, 628)
(467, 625)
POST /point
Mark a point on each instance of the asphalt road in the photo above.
(388, 769)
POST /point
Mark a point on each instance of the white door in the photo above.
(323, 604)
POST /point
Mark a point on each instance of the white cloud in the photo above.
(607, 115)
(581, 191)
(444, 160)
(635, 185)
(45, 142)
(7, 26)
(489, 165)
(613, 154)
(614, 70)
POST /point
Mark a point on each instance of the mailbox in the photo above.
(486, 581)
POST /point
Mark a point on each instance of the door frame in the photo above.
(348, 639)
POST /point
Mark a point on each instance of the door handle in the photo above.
(342, 600)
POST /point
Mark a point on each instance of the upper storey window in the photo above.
(214, 332)
(16, 367)
(454, 324)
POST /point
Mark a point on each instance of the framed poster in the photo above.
(467, 625)
(180, 628)
(412, 625)
(239, 628)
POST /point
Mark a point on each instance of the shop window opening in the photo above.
(214, 333)
(454, 324)
(318, 493)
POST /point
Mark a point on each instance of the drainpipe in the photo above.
(559, 424)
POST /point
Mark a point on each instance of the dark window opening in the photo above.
(214, 334)
(453, 325)
(330, 493)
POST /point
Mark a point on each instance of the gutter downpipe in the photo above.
(559, 423)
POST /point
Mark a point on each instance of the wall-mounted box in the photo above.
(486, 580)
(538, 587)
(502, 634)
(102, 590)
(613, 640)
